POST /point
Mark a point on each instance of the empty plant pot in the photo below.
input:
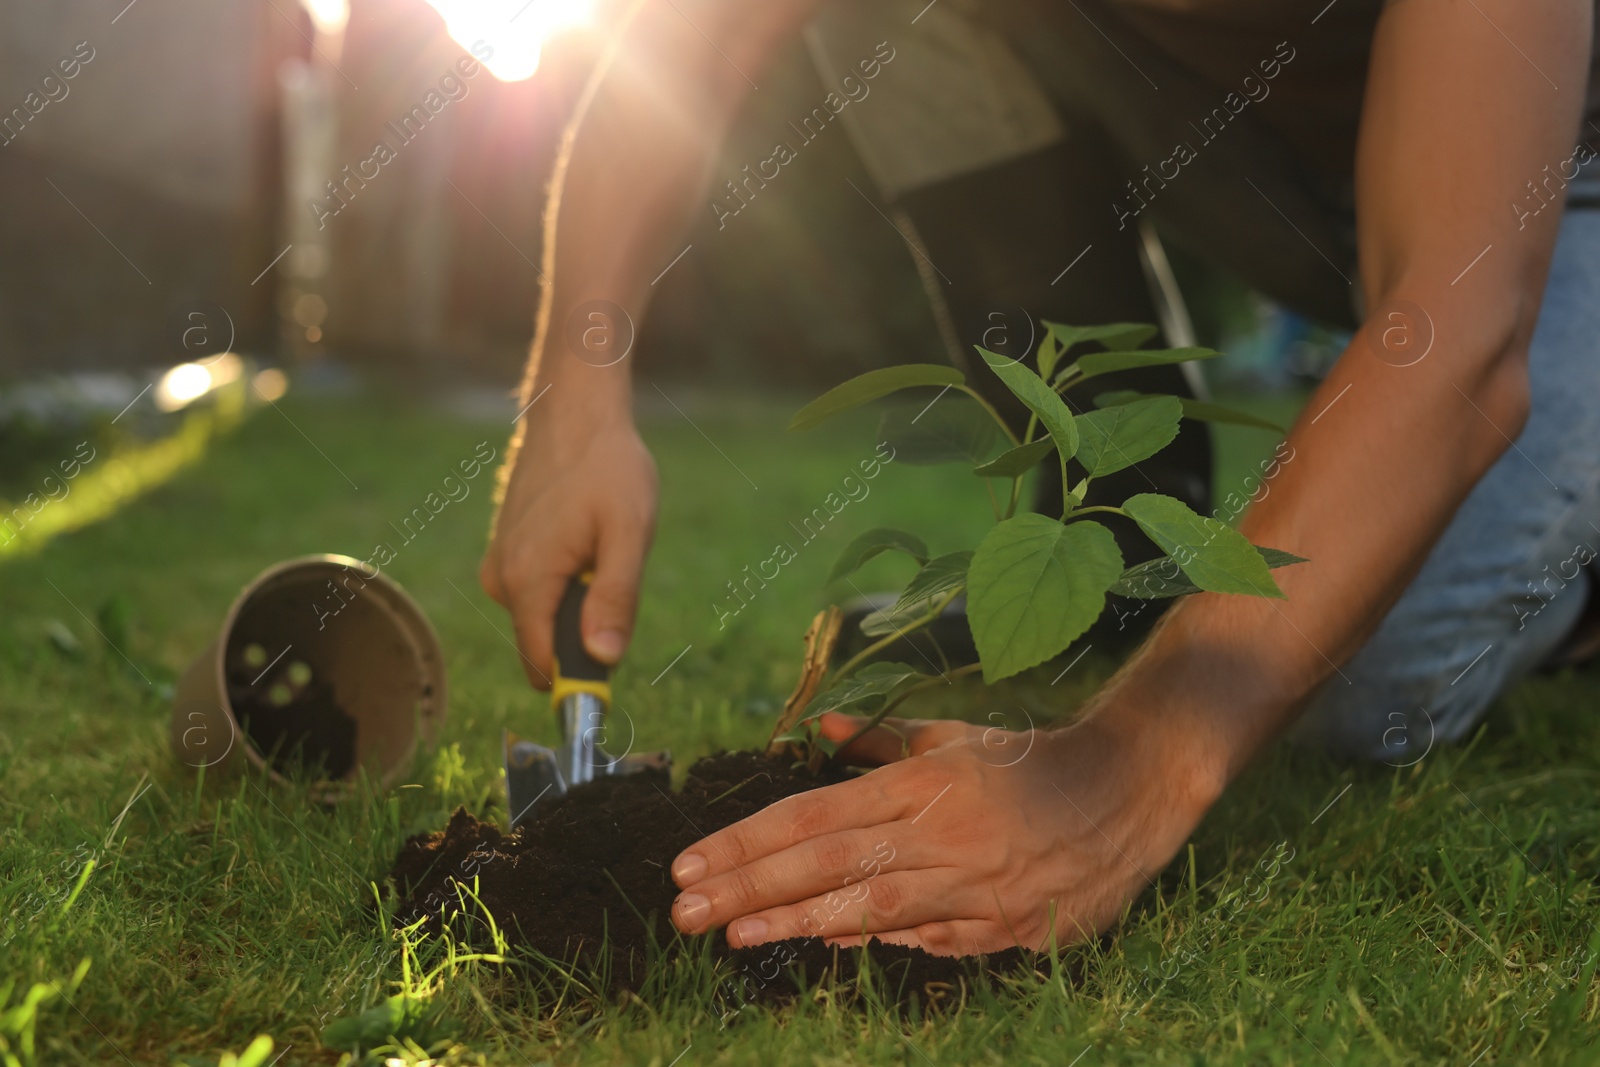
(321, 668)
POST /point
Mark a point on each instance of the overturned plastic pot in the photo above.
(322, 668)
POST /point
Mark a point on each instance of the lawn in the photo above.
(1439, 913)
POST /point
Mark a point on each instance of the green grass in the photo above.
(1443, 913)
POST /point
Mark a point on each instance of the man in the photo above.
(1448, 125)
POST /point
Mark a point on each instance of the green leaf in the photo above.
(1017, 461)
(937, 578)
(1034, 586)
(883, 623)
(1154, 579)
(866, 690)
(1079, 491)
(1117, 437)
(953, 430)
(1048, 354)
(1215, 556)
(1204, 411)
(1040, 399)
(869, 387)
(1200, 410)
(1160, 578)
(802, 732)
(1098, 363)
(1114, 335)
(874, 541)
(1277, 557)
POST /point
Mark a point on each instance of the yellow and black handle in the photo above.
(576, 671)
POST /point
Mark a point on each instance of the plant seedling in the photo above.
(254, 656)
(299, 674)
(1034, 583)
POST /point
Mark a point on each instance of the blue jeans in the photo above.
(1504, 585)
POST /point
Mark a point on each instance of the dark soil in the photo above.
(587, 880)
(310, 734)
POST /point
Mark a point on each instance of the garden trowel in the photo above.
(581, 696)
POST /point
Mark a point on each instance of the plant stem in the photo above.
(1097, 507)
(1067, 379)
(1016, 494)
(883, 713)
(993, 414)
(994, 505)
(854, 662)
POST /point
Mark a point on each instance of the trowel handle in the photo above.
(573, 662)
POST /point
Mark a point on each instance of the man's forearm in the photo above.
(1430, 393)
(635, 161)
(1372, 476)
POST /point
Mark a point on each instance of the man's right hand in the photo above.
(582, 489)
(578, 497)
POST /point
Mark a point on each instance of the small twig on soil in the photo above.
(729, 792)
(820, 639)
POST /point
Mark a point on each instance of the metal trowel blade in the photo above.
(532, 775)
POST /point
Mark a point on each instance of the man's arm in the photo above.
(579, 488)
(975, 849)
(1458, 118)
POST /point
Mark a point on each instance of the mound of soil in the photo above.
(588, 880)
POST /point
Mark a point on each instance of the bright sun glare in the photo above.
(507, 35)
(329, 16)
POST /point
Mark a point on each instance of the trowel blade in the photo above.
(532, 775)
(533, 772)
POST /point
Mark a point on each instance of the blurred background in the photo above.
(166, 267)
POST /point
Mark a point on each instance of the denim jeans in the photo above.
(1505, 583)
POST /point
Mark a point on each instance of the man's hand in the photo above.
(578, 497)
(968, 840)
(628, 183)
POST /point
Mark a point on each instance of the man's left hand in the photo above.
(966, 840)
